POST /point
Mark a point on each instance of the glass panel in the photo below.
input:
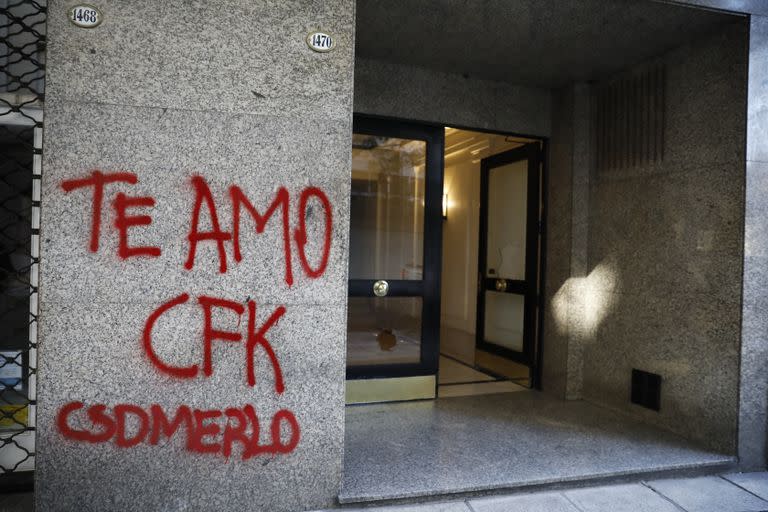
(384, 330)
(507, 207)
(504, 314)
(386, 235)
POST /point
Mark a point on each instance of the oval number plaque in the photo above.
(320, 41)
(84, 15)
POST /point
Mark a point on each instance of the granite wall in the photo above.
(753, 396)
(450, 99)
(753, 412)
(156, 316)
(663, 285)
(564, 332)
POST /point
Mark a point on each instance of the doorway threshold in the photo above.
(499, 442)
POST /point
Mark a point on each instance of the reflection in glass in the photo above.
(384, 330)
(507, 215)
(387, 208)
(504, 314)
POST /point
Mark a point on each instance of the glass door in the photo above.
(508, 253)
(393, 314)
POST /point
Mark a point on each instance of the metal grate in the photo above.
(630, 119)
(22, 72)
(646, 389)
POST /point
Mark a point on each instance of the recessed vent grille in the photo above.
(629, 119)
(646, 389)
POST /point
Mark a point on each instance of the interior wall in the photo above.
(458, 303)
(663, 286)
(458, 311)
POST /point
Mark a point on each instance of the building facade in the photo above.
(243, 216)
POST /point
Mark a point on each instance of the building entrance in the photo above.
(399, 345)
(490, 273)
(394, 263)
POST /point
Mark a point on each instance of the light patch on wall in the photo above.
(755, 236)
(705, 240)
(584, 302)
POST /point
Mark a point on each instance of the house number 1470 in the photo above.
(320, 41)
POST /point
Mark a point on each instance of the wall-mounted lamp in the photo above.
(445, 206)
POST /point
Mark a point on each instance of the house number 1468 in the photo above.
(86, 16)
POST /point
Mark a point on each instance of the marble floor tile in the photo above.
(479, 388)
(454, 372)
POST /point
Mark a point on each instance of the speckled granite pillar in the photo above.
(565, 331)
(754, 330)
(557, 271)
(138, 326)
(578, 332)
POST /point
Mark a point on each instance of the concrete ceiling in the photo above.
(547, 43)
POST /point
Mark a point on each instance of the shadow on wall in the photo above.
(584, 302)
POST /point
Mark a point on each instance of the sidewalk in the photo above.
(740, 492)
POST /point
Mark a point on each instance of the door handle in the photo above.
(380, 288)
(501, 285)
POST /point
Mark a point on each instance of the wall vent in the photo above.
(629, 118)
(646, 389)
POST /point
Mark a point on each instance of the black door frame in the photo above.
(529, 288)
(429, 286)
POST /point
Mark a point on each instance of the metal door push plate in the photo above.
(380, 288)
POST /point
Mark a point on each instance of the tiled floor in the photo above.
(455, 372)
(461, 346)
(457, 344)
(499, 441)
(479, 388)
(459, 379)
(726, 493)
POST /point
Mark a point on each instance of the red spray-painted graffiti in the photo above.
(97, 180)
(204, 434)
(203, 195)
(254, 338)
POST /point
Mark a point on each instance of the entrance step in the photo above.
(732, 492)
(475, 445)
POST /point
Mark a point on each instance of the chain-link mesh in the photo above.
(22, 73)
